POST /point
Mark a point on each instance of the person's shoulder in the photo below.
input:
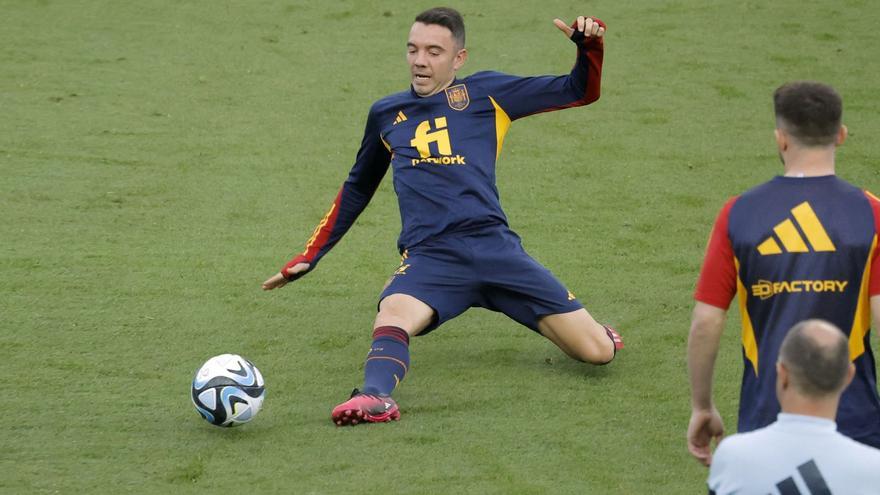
(731, 459)
(872, 198)
(858, 452)
(760, 189)
(486, 77)
(740, 443)
(391, 101)
(484, 74)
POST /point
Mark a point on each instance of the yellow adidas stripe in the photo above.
(812, 227)
(790, 238)
(769, 247)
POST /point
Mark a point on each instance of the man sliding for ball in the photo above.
(442, 138)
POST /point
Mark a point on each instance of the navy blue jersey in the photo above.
(794, 249)
(443, 149)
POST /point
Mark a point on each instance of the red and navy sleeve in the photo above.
(523, 96)
(369, 168)
(717, 283)
(874, 281)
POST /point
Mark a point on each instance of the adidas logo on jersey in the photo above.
(790, 237)
(400, 118)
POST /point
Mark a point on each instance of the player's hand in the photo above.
(278, 280)
(705, 425)
(584, 27)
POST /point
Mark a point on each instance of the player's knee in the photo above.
(404, 312)
(592, 350)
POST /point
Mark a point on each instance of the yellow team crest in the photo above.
(457, 96)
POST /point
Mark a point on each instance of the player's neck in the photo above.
(809, 162)
(820, 408)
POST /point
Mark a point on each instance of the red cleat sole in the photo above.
(354, 417)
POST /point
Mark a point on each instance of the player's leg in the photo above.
(405, 312)
(416, 300)
(526, 291)
(580, 336)
(399, 317)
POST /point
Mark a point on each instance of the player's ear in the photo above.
(850, 373)
(781, 377)
(842, 133)
(781, 139)
(460, 59)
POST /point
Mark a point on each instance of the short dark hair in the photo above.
(446, 17)
(809, 111)
(817, 368)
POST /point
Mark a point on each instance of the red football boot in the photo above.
(615, 338)
(365, 408)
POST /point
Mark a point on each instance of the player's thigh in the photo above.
(432, 285)
(404, 311)
(525, 290)
(579, 335)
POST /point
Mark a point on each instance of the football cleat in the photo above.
(365, 408)
(615, 338)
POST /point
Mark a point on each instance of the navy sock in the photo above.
(387, 362)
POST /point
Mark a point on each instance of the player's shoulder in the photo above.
(391, 102)
(740, 444)
(767, 188)
(724, 212)
(850, 449)
(872, 198)
(487, 78)
(734, 456)
(484, 75)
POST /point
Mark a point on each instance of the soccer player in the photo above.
(442, 137)
(802, 446)
(802, 245)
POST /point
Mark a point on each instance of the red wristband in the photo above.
(290, 264)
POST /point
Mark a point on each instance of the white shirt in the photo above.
(795, 455)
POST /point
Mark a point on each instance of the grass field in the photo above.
(159, 159)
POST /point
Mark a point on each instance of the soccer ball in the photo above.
(228, 390)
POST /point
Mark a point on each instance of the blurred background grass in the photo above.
(160, 159)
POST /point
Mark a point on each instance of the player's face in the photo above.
(433, 57)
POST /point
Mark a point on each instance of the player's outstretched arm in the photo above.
(523, 96)
(705, 425)
(373, 160)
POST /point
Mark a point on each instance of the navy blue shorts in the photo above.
(488, 269)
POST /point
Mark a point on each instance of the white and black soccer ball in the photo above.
(228, 390)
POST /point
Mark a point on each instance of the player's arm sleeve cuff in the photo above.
(292, 263)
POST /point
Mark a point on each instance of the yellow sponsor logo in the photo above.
(441, 160)
(425, 137)
(766, 289)
(791, 239)
(401, 117)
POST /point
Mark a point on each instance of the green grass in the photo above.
(159, 159)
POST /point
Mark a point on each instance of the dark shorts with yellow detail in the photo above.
(488, 269)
